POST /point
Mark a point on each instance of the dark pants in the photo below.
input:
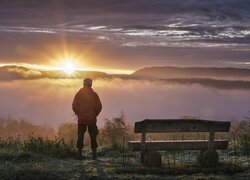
(93, 131)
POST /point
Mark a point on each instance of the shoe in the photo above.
(79, 155)
(94, 155)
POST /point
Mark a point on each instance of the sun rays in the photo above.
(68, 67)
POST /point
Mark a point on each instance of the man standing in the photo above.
(87, 106)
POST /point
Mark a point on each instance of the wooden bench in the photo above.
(207, 147)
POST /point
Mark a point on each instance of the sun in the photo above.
(68, 68)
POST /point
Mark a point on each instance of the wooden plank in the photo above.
(178, 145)
(180, 125)
(143, 148)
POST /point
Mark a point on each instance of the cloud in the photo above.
(167, 72)
(14, 73)
(8, 73)
(127, 33)
(227, 78)
(23, 73)
(211, 83)
(48, 101)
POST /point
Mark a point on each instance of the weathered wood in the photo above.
(142, 148)
(180, 125)
(177, 145)
(211, 139)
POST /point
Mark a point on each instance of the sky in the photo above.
(127, 35)
(122, 36)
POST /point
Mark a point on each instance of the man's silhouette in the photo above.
(87, 106)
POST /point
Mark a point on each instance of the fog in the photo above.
(48, 101)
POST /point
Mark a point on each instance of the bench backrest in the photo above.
(180, 125)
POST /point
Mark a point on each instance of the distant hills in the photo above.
(20, 72)
(150, 73)
(192, 72)
(220, 78)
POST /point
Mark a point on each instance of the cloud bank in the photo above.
(218, 78)
(48, 101)
(8, 73)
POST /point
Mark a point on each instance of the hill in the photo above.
(192, 72)
(20, 72)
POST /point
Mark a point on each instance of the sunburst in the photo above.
(68, 68)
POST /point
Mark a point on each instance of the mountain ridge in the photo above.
(13, 72)
(191, 72)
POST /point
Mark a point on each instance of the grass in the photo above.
(39, 158)
(43, 167)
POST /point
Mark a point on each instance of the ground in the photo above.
(110, 165)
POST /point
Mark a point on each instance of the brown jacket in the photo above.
(87, 105)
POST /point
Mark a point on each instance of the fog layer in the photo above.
(49, 101)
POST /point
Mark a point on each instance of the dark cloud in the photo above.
(131, 6)
(131, 34)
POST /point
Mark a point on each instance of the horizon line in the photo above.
(54, 68)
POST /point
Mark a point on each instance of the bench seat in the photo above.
(179, 126)
(177, 145)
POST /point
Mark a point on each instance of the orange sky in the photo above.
(118, 35)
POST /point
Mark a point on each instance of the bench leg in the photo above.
(201, 157)
(153, 159)
(211, 158)
(143, 139)
(211, 139)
